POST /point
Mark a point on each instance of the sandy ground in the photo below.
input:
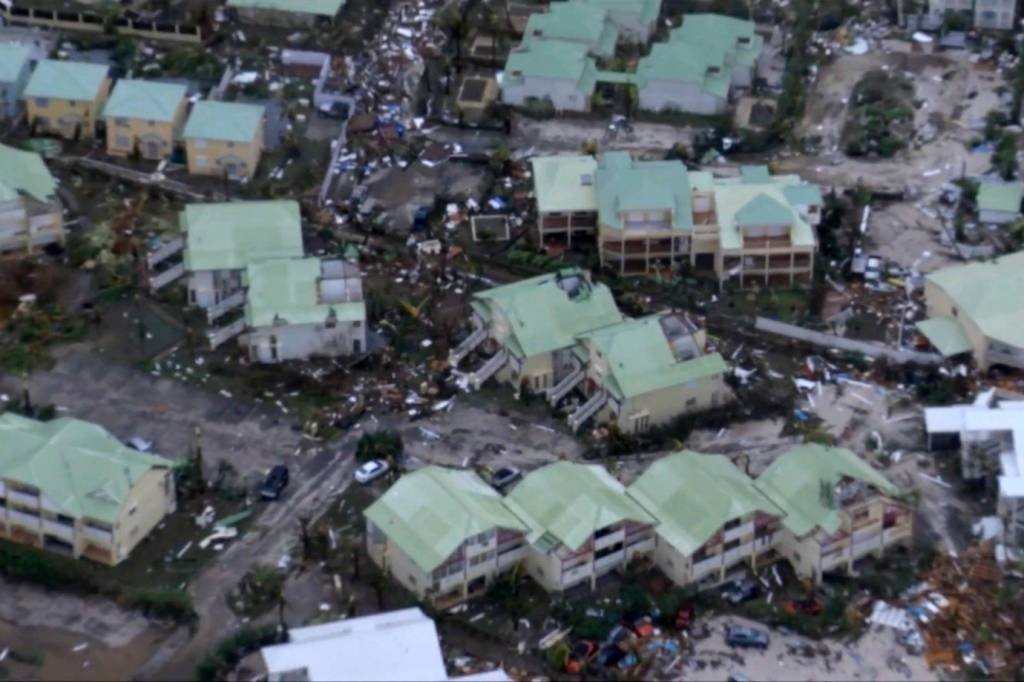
(564, 136)
(867, 658)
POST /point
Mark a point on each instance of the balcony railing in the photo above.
(896, 533)
(572, 576)
(737, 553)
(606, 563)
(24, 499)
(22, 519)
(59, 530)
(739, 531)
(104, 538)
(609, 539)
(707, 565)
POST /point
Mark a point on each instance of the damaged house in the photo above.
(297, 308)
(31, 215)
(562, 336)
(650, 217)
(443, 534)
(971, 310)
(70, 487)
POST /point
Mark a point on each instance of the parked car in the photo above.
(275, 483)
(747, 638)
(580, 656)
(371, 471)
(739, 591)
(505, 476)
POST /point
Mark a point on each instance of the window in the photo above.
(42, 101)
(691, 402)
(122, 141)
(202, 161)
(199, 144)
(231, 145)
(732, 524)
(732, 544)
(412, 579)
(121, 122)
(131, 510)
(65, 519)
(151, 123)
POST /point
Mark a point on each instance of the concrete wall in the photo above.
(208, 287)
(664, 405)
(301, 341)
(679, 96)
(151, 498)
(214, 157)
(939, 304)
(63, 117)
(562, 93)
(154, 139)
(10, 92)
(997, 217)
(27, 225)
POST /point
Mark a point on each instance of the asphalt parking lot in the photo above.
(129, 402)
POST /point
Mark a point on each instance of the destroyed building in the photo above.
(990, 436)
(696, 516)
(985, 14)
(144, 118)
(286, 13)
(971, 309)
(66, 98)
(70, 487)
(297, 308)
(648, 217)
(443, 534)
(31, 215)
(558, 334)
(224, 139)
(701, 67)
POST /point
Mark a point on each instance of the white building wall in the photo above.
(562, 93)
(680, 96)
(301, 341)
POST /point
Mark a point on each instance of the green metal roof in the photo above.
(23, 172)
(228, 121)
(323, 8)
(803, 195)
(564, 183)
(801, 482)
(1000, 196)
(76, 81)
(946, 335)
(287, 291)
(431, 512)
(737, 36)
(574, 21)
(693, 495)
(569, 501)
(628, 185)
(145, 100)
(988, 293)
(544, 317)
(739, 203)
(76, 465)
(229, 236)
(640, 359)
(704, 65)
(555, 59)
(755, 173)
(647, 10)
(12, 59)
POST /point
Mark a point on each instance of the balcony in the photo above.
(610, 539)
(104, 538)
(742, 530)
(511, 557)
(449, 583)
(608, 562)
(59, 530)
(24, 499)
(896, 533)
(22, 519)
(575, 575)
(701, 568)
(866, 545)
(737, 553)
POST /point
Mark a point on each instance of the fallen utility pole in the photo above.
(868, 348)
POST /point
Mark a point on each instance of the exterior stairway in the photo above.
(466, 347)
(587, 410)
(562, 388)
(489, 369)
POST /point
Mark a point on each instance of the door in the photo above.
(153, 149)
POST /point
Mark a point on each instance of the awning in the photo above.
(946, 335)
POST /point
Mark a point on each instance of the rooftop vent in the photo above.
(586, 179)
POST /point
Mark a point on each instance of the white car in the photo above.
(371, 470)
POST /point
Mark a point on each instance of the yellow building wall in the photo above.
(151, 498)
(62, 116)
(664, 405)
(208, 157)
(123, 138)
(397, 563)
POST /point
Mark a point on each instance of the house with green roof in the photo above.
(973, 309)
(224, 139)
(70, 487)
(700, 65)
(444, 534)
(582, 524)
(31, 215)
(557, 71)
(643, 373)
(635, 20)
(999, 202)
(564, 187)
(836, 509)
(222, 239)
(66, 98)
(711, 516)
(527, 330)
(297, 308)
(574, 21)
(144, 118)
(15, 69)
(286, 13)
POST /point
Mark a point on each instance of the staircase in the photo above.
(169, 249)
(217, 310)
(466, 347)
(587, 410)
(562, 388)
(159, 281)
(218, 336)
(490, 368)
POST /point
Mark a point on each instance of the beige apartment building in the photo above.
(648, 217)
(66, 98)
(69, 487)
(224, 139)
(443, 534)
(144, 118)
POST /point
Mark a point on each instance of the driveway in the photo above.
(129, 402)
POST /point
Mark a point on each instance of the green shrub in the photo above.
(229, 651)
(175, 605)
(20, 562)
(386, 445)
